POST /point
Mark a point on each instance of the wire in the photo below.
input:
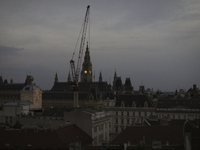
(77, 41)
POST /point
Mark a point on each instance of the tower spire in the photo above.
(100, 77)
(69, 78)
(86, 72)
(56, 78)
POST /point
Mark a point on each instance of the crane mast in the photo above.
(76, 71)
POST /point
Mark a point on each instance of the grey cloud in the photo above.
(4, 50)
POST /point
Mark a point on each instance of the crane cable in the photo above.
(77, 41)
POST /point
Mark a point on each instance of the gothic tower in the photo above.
(86, 72)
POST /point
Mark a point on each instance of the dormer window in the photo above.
(91, 97)
(145, 104)
(133, 104)
(122, 104)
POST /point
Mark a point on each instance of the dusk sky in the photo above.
(154, 42)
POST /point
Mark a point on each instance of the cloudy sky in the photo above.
(154, 42)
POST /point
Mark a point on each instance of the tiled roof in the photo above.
(128, 82)
(14, 86)
(135, 134)
(175, 103)
(128, 100)
(83, 86)
(63, 90)
(43, 139)
(118, 83)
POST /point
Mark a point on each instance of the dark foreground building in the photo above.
(63, 138)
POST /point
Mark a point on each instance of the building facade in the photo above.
(94, 122)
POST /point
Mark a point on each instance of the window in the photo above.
(95, 129)
(39, 145)
(127, 121)
(116, 129)
(10, 119)
(116, 121)
(48, 144)
(58, 145)
(116, 113)
(100, 127)
(100, 137)
(95, 140)
(122, 121)
(7, 144)
(122, 113)
(127, 113)
(29, 145)
(17, 144)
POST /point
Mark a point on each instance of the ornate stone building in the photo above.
(91, 94)
(11, 91)
(33, 94)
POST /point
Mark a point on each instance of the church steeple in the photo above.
(86, 72)
(100, 77)
(114, 80)
(56, 78)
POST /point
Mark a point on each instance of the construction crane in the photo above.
(76, 71)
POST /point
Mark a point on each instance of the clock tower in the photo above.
(86, 72)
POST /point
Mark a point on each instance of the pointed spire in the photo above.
(87, 47)
(100, 77)
(115, 76)
(56, 78)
